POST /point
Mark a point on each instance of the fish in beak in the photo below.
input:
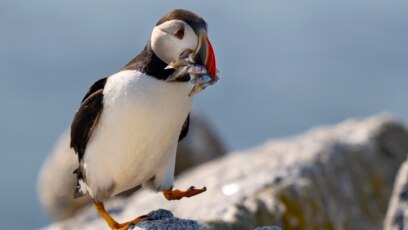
(199, 63)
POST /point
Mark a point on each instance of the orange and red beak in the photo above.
(206, 54)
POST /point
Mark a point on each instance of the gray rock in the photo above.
(397, 214)
(164, 219)
(329, 178)
(56, 182)
(202, 144)
(268, 228)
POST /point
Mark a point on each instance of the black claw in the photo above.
(191, 188)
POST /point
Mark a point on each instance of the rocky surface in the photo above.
(164, 219)
(202, 144)
(56, 181)
(397, 215)
(337, 177)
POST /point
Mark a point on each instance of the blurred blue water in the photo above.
(285, 67)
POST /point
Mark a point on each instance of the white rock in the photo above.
(397, 215)
(329, 178)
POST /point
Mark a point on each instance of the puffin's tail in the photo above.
(79, 190)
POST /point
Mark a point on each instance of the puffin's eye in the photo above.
(180, 32)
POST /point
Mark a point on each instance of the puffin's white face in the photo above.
(171, 38)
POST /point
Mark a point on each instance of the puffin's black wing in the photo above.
(100, 84)
(86, 117)
(184, 129)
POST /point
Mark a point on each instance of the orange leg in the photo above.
(177, 194)
(111, 222)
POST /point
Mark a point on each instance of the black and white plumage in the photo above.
(126, 130)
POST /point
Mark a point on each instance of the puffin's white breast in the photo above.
(137, 131)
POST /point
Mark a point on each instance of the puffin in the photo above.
(126, 130)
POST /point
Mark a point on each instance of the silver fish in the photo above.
(201, 79)
(186, 65)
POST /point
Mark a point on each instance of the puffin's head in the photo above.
(179, 30)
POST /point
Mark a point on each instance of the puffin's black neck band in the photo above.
(147, 62)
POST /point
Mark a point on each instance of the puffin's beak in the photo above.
(206, 55)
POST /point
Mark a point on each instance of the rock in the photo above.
(164, 219)
(56, 182)
(268, 228)
(157, 220)
(202, 144)
(397, 214)
(329, 178)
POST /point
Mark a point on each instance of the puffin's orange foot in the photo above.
(112, 223)
(177, 194)
(126, 225)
